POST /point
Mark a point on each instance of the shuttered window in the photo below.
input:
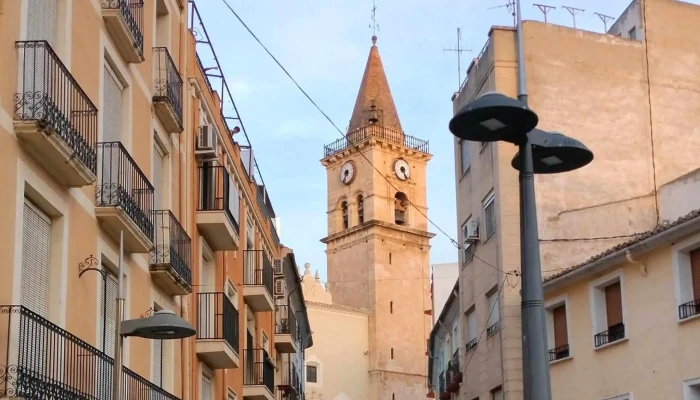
(108, 303)
(41, 20)
(157, 362)
(36, 260)
(206, 388)
(158, 159)
(234, 200)
(695, 272)
(561, 336)
(471, 325)
(493, 309)
(613, 304)
(112, 108)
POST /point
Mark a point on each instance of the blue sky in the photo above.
(324, 45)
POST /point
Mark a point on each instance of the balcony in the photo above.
(124, 22)
(613, 334)
(454, 374)
(55, 121)
(285, 329)
(44, 361)
(171, 256)
(559, 353)
(123, 198)
(472, 345)
(167, 95)
(217, 215)
(257, 281)
(217, 331)
(290, 387)
(376, 132)
(493, 329)
(689, 309)
(442, 387)
(258, 375)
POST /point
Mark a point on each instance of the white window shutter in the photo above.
(36, 260)
(108, 303)
(206, 388)
(41, 20)
(157, 362)
(158, 177)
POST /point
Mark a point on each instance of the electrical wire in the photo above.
(355, 145)
(592, 238)
(498, 296)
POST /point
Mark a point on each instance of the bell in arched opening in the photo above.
(373, 114)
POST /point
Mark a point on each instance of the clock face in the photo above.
(347, 172)
(402, 169)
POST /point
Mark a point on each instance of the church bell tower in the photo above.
(378, 240)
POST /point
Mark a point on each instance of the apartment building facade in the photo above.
(111, 127)
(444, 347)
(626, 94)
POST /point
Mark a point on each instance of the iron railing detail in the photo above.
(613, 334)
(493, 329)
(558, 353)
(50, 96)
(689, 309)
(286, 321)
(257, 269)
(214, 192)
(471, 345)
(258, 369)
(291, 385)
(167, 81)
(132, 12)
(217, 319)
(121, 183)
(365, 133)
(43, 361)
(172, 245)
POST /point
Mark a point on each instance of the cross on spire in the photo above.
(374, 25)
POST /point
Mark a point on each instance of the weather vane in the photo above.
(374, 25)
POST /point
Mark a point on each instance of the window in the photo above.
(557, 329)
(157, 354)
(497, 394)
(162, 24)
(489, 216)
(231, 293)
(691, 389)
(494, 321)
(112, 114)
(206, 389)
(158, 167)
(360, 209)
(467, 243)
(392, 353)
(344, 211)
(400, 207)
(36, 260)
(391, 307)
(472, 334)
(42, 20)
(686, 268)
(633, 33)
(607, 309)
(464, 155)
(311, 373)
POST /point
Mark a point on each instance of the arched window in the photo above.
(360, 209)
(400, 208)
(344, 212)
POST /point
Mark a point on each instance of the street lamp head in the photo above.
(493, 117)
(163, 325)
(553, 153)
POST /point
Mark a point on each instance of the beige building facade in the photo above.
(626, 95)
(442, 280)
(378, 244)
(110, 126)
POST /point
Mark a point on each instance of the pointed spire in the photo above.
(318, 277)
(374, 98)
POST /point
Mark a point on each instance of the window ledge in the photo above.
(615, 343)
(684, 320)
(561, 360)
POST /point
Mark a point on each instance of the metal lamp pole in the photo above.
(536, 382)
(118, 340)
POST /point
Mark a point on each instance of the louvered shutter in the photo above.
(560, 329)
(471, 321)
(111, 121)
(233, 200)
(41, 20)
(158, 159)
(695, 272)
(108, 320)
(112, 108)
(36, 264)
(157, 377)
(613, 304)
(206, 388)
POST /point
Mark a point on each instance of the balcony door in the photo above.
(107, 339)
(114, 179)
(42, 16)
(207, 182)
(208, 301)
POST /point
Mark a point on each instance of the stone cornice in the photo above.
(394, 148)
(339, 307)
(375, 222)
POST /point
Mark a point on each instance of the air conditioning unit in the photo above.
(278, 267)
(206, 142)
(279, 287)
(473, 231)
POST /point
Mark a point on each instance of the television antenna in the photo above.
(545, 9)
(510, 6)
(459, 50)
(605, 19)
(573, 11)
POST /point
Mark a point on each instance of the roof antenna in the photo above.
(459, 50)
(510, 6)
(605, 19)
(545, 9)
(374, 25)
(573, 11)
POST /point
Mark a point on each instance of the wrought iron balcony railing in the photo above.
(291, 384)
(217, 319)
(454, 362)
(613, 334)
(471, 345)
(43, 361)
(558, 353)
(689, 309)
(132, 13)
(258, 369)
(173, 247)
(442, 384)
(257, 270)
(286, 321)
(493, 329)
(121, 183)
(167, 83)
(215, 193)
(364, 133)
(49, 95)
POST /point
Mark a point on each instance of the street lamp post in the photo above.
(494, 117)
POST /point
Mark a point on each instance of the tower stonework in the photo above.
(378, 240)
